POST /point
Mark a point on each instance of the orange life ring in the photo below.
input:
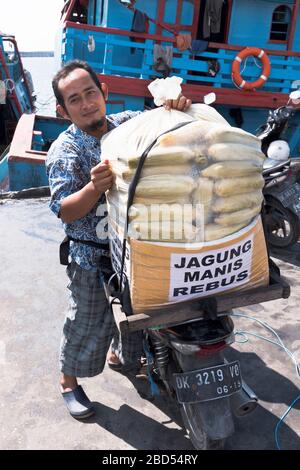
(236, 64)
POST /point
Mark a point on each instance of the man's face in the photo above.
(84, 102)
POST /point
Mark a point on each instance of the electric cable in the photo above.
(281, 345)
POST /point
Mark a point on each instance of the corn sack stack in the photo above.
(194, 228)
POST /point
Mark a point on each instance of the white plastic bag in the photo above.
(163, 89)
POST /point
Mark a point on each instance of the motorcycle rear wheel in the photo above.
(283, 228)
(199, 438)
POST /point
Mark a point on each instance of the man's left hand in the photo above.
(181, 104)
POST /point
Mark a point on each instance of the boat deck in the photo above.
(33, 300)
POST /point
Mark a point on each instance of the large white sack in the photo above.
(194, 164)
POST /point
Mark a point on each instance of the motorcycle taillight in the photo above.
(211, 349)
(290, 172)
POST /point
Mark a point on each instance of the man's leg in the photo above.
(126, 351)
(87, 333)
(68, 383)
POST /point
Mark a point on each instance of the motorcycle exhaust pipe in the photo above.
(244, 401)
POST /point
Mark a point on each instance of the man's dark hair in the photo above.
(65, 71)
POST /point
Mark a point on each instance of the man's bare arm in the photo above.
(79, 204)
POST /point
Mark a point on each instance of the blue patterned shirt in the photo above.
(69, 162)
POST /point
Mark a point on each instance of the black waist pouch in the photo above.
(64, 251)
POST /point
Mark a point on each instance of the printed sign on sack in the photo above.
(209, 272)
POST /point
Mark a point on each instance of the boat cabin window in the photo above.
(9, 52)
(280, 23)
(12, 60)
(85, 12)
(79, 12)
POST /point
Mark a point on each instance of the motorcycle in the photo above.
(282, 180)
(188, 359)
(282, 202)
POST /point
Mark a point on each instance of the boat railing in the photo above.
(120, 52)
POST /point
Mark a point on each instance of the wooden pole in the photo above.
(293, 24)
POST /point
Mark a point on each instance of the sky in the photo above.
(34, 23)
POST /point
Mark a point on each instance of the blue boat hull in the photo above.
(23, 165)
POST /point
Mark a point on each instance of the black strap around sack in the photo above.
(132, 188)
(65, 248)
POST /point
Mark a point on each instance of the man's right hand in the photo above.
(79, 204)
(102, 177)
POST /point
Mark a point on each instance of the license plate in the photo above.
(208, 384)
(290, 197)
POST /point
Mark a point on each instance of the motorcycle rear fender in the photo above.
(216, 416)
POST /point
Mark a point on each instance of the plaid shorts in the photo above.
(90, 327)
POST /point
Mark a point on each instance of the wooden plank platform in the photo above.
(193, 309)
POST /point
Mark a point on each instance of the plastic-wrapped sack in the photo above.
(202, 164)
(198, 198)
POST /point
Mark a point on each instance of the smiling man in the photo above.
(78, 180)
